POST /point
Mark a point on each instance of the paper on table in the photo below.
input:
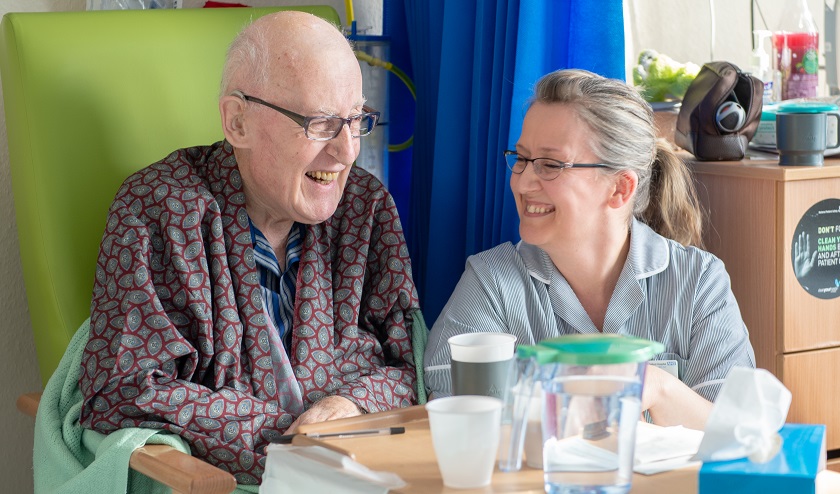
(575, 454)
(660, 449)
(290, 468)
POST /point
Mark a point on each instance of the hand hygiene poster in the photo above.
(815, 252)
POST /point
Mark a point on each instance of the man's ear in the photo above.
(625, 187)
(232, 110)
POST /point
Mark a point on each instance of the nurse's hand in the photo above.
(671, 402)
(329, 408)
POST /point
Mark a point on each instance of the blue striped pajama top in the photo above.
(278, 287)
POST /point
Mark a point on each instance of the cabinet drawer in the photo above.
(812, 379)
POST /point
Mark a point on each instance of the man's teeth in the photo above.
(539, 209)
(323, 177)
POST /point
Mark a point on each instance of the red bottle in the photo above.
(796, 45)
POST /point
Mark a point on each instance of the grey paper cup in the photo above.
(481, 363)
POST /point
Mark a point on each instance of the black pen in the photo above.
(387, 431)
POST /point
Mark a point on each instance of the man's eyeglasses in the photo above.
(324, 128)
(545, 168)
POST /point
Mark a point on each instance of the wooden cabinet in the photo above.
(756, 210)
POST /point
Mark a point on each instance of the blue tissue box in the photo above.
(793, 469)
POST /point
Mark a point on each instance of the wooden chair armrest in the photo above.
(28, 403)
(376, 420)
(180, 471)
(175, 469)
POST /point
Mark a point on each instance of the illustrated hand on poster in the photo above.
(803, 258)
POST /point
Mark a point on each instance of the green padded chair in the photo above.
(90, 98)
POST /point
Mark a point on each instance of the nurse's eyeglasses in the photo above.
(545, 168)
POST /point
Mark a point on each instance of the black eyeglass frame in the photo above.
(304, 121)
(538, 169)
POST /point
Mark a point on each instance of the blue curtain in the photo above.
(474, 64)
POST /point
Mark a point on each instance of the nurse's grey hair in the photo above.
(624, 137)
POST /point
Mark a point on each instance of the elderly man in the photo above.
(262, 282)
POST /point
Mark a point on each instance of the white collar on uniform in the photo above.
(649, 254)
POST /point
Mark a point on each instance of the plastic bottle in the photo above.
(761, 68)
(796, 46)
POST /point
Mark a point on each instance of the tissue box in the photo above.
(765, 134)
(793, 469)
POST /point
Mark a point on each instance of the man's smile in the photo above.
(322, 177)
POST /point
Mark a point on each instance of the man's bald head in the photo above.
(288, 44)
(283, 72)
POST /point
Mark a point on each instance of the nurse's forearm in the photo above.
(670, 402)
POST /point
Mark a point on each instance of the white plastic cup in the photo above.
(481, 363)
(465, 435)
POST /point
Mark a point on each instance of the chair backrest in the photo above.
(91, 97)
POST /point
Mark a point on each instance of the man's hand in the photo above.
(329, 408)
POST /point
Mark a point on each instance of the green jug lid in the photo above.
(591, 349)
(805, 107)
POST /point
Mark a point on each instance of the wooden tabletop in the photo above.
(411, 456)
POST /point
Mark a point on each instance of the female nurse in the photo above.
(610, 228)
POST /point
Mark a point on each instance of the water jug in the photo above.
(591, 401)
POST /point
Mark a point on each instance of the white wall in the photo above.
(682, 29)
(18, 363)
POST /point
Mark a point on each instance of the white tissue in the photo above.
(574, 454)
(745, 420)
(655, 443)
(295, 469)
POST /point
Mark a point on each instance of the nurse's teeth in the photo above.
(538, 209)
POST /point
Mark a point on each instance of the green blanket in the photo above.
(71, 459)
(419, 338)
